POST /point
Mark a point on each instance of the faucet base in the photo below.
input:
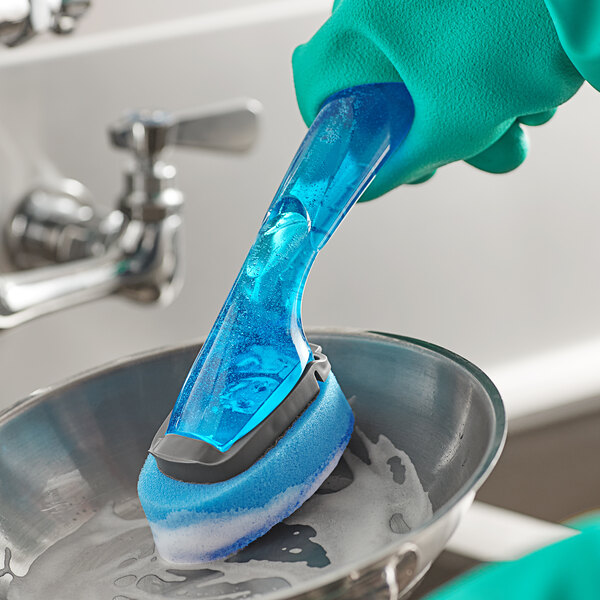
(67, 252)
(57, 224)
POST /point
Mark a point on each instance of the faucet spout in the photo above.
(29, 294)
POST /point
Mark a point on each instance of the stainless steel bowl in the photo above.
(430, 427)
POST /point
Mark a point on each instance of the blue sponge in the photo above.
(196, 522)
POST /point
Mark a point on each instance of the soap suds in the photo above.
(112, 556)
(212, 534)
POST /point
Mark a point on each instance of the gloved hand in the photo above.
(568, 570)
(476, 69)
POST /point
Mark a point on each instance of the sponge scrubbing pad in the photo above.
(194, 522)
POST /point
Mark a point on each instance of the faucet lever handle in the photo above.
(229, 126)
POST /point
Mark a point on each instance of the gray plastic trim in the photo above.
(196, 461)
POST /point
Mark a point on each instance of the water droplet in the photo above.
(153, 584)
(125, 580)
(398, 524)
(127, 563)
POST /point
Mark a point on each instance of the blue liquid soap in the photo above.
(257, 350)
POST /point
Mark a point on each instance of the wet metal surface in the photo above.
(71, 526)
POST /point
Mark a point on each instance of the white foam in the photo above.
(383, 497)
(205, 540)
(112, 556)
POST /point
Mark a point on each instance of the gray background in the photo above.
(493, 267)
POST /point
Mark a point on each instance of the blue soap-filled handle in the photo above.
(257, 350)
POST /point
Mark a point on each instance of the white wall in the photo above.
(492, 267)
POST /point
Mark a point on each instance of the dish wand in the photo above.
(261, 420)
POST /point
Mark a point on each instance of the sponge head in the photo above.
(200, 522)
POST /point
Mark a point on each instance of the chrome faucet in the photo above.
(70, 253)
(20, 20)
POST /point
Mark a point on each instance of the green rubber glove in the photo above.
(476, 69)
(578, 27)
(568, 570)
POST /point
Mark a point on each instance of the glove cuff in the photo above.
(351, 59)
(577, 24)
